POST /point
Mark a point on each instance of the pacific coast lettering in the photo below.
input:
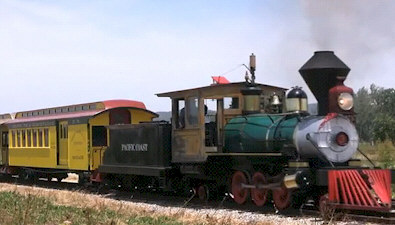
(134, 147)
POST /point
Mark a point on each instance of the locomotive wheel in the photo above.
(126, 184)
(203, 192)
(239, 193)
(259, 196)
(23, 176)
(83, 179)
(27, 176)
(282, 198)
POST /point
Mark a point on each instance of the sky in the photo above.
(55, 53)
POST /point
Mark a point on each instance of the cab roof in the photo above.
(216, 89)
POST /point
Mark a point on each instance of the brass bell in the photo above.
(275, 100)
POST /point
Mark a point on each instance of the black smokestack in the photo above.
(321, 73)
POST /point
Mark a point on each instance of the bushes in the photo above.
(375, 114)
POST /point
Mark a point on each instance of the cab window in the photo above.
(179, 117)
(231, 102)
(192, 111)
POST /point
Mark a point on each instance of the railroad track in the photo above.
(375, 217)
(169, 200)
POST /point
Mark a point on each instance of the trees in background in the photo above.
(375, 108)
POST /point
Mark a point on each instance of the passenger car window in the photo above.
(23, 138)
(40, 138)
(46, 137)
(34, 138)
(18, 138)
(4, 137)
(13, 138)
(29, 138)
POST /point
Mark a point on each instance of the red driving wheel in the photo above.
(259, 196)
(282, 198)
(240, 194)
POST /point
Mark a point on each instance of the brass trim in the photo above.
(290, 181)
(354, 163)
(298, 164)
(245, 154)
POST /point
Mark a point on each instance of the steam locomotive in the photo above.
(255, 145)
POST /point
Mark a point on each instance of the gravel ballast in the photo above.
(183, 214)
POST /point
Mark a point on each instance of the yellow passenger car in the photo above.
(68, 138)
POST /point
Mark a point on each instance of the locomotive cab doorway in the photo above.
(197, 127)
(186, 135)
(219, 110)
(63, 143)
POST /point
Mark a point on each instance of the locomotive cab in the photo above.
(200, 114)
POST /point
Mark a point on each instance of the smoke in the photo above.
(361, 32)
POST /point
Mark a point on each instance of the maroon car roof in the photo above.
(109, 104)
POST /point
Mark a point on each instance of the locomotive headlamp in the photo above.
(345, 101)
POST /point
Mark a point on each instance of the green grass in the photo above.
(382, 153)
(18, 209)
